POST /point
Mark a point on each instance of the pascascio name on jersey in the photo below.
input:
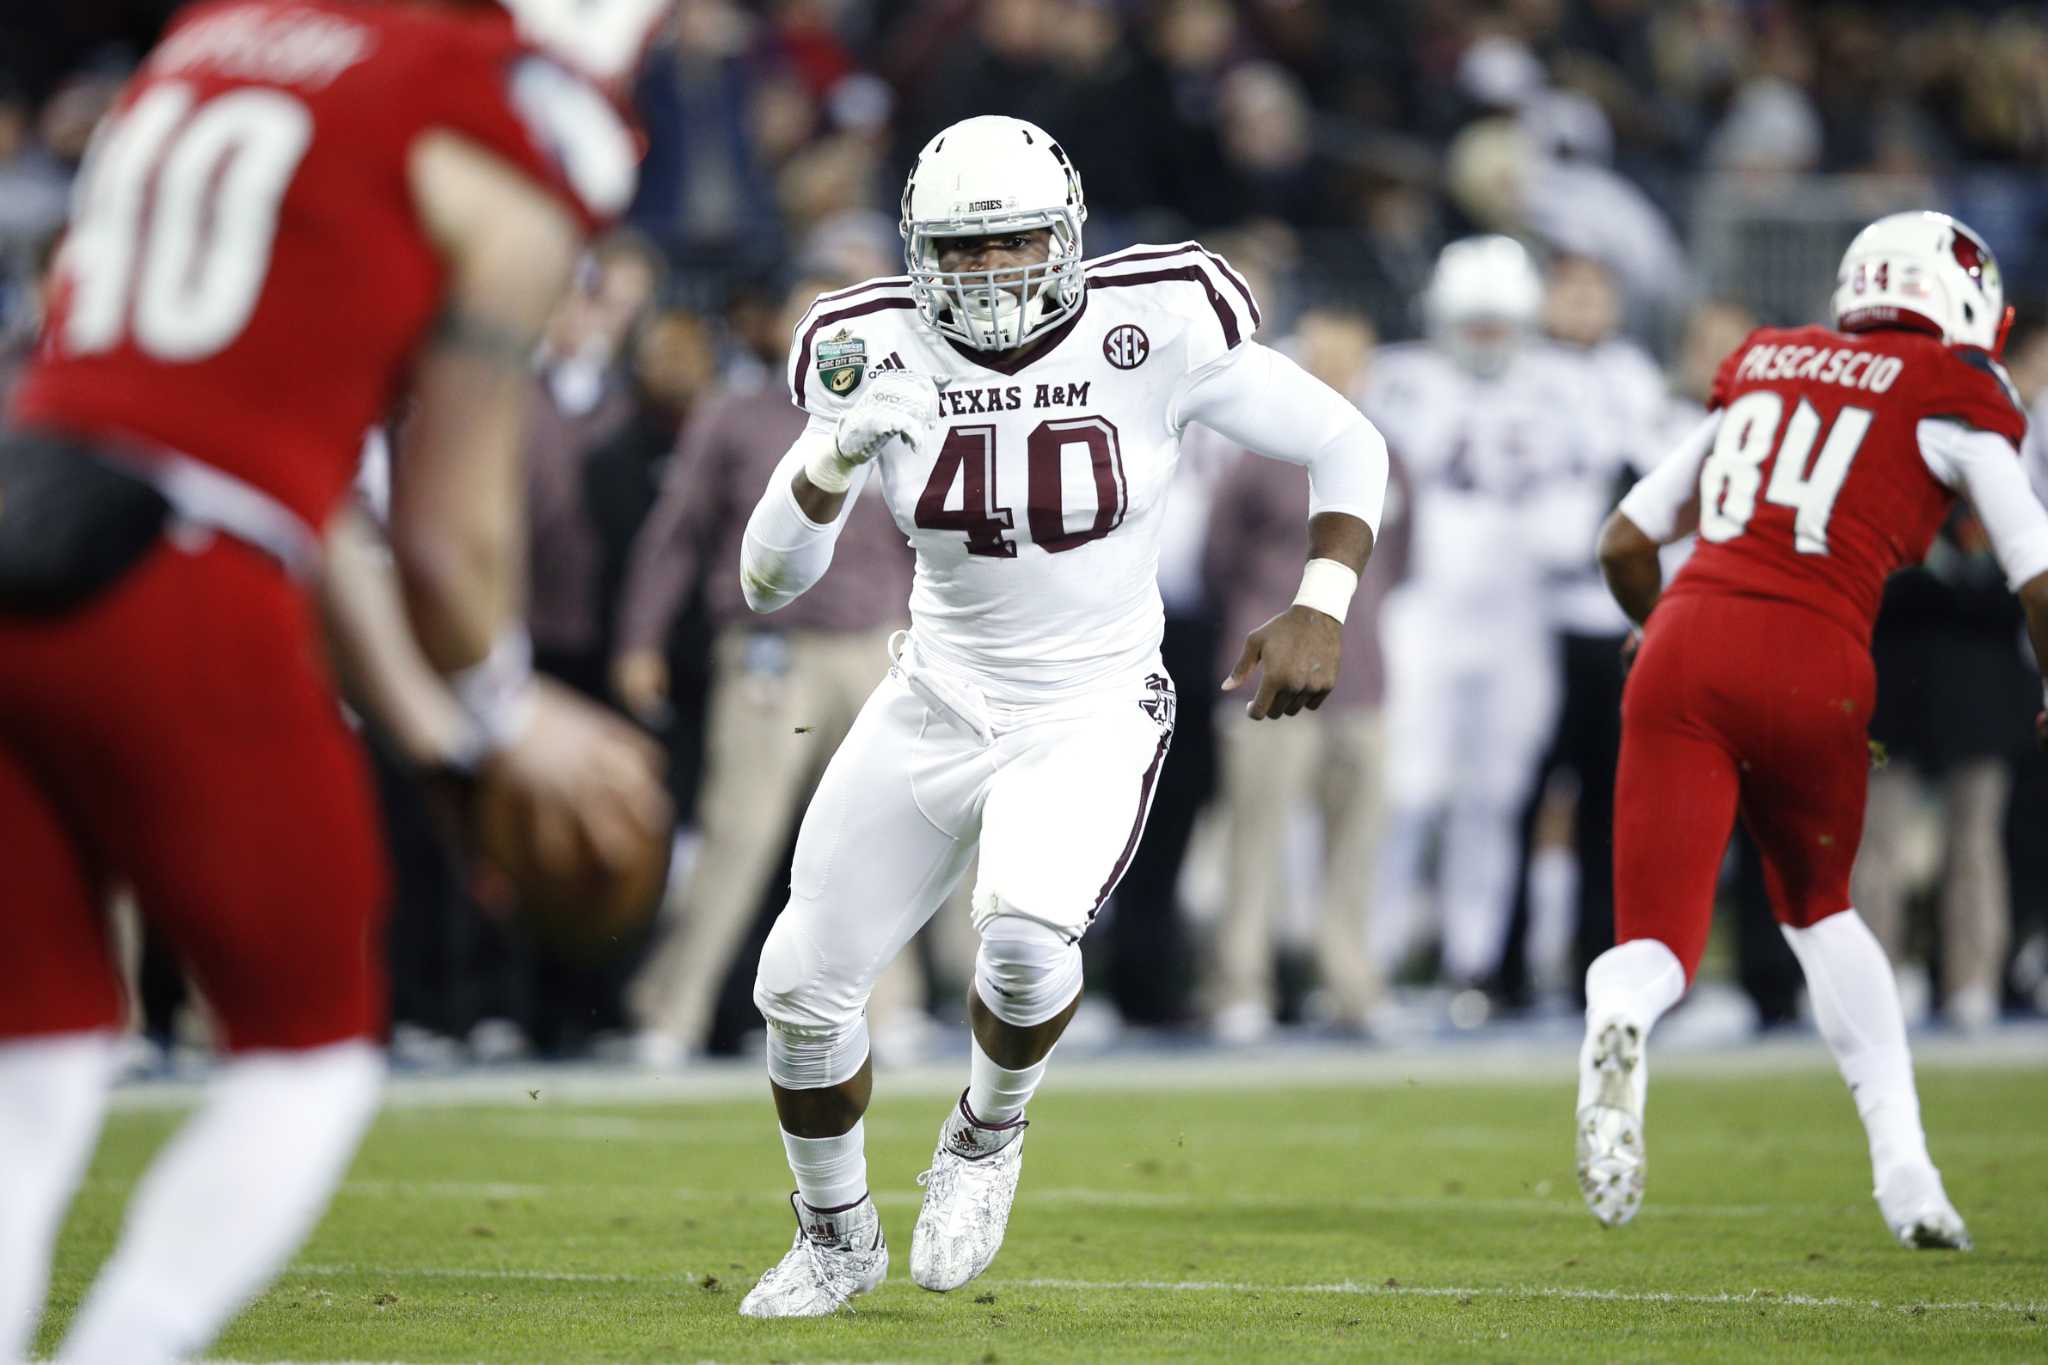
(1035, 511)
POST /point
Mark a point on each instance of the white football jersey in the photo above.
(1481, 455)
(1625, 406)
(1036, 510)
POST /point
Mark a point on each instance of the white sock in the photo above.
(831, 1172)
(1636, 982)
(996, 1096)
(227, 1202)
(1856, 1003)
(53, 1091)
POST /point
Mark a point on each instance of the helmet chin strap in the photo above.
(2004, 330)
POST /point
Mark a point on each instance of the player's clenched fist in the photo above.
(574, 813)
(896, 403)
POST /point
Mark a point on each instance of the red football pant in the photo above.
(180, 734)
(1738, 705)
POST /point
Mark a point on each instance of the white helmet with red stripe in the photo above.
(604, 39)
(1925, 271)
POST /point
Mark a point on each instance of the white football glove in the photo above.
(896, 404)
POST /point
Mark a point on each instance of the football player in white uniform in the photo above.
(1482, 415)
(1022, 409)
(1621, 403)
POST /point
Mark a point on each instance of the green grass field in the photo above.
(1404, 1220)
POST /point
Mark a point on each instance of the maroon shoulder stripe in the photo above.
(1194, 249)
(1237, 283)
(885, 282)
(1132, 253)
(823, 320)
(1225, 314)
(1123, 862)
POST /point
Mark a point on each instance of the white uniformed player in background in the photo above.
(1622, 402)
(1481, 415)
(1022, 409)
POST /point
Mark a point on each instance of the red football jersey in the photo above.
(1815, 489)
(246, 278)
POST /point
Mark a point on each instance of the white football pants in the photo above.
(1054, 795)
(1470, 705)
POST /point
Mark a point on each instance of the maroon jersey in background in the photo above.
(1827, 531)
(246, 276)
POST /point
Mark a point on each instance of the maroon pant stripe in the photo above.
(1116, 874)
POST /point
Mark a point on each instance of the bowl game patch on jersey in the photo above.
(842, 360)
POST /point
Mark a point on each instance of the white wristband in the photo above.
(828, 472)
(1327, 586)
(497, 692)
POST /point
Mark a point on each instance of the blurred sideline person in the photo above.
(582, 397)
(1479, 416)
(1331, 759)
(1021, 408)
(1829, 459)
(784, 690)
(1624, 398)
(389, 191)
(1949, 680)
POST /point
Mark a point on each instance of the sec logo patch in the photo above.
(1126, 346)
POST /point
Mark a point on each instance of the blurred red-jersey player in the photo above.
(1829, 460)
(298, 212)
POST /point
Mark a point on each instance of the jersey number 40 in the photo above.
(967, 461)
(1733, 472)
(177, 214)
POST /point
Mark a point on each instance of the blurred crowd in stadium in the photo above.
(1682, 170)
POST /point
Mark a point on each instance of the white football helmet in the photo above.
(980, 177)
(1483, 302)
(604, 39)
(1923, 270)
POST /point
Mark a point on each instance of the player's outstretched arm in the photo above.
(792, 532)
(1265, 402)
(382, 669)
(457, 508)
(1301, 649)
(569, 795)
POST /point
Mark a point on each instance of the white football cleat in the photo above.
(1610, 1123)
(967, 1197)
(835, 1257)
(1916, 1209)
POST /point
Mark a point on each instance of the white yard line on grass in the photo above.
(723, 1130)
(1082, 1196)
(1506, 1058)
(1341, 1287)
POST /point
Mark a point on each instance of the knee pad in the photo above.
(807, 1060)
(816, 1037)
(1024, 971)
